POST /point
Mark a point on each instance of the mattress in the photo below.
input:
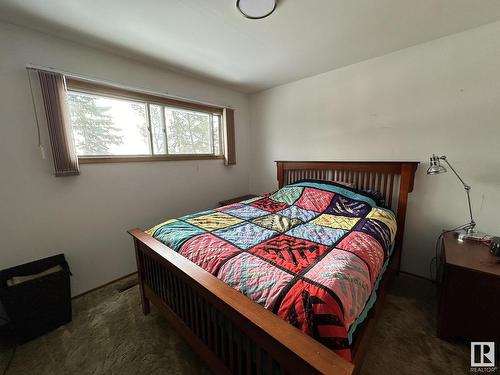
(312, 252)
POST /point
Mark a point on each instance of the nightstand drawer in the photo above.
(469, 306)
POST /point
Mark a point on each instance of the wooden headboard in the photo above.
(394, 179)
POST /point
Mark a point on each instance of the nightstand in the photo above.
(236, 200)
(469, 293)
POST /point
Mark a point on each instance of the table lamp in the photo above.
(467, 231)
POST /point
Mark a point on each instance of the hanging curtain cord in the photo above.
(35, 111)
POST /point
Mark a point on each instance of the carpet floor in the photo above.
(109, 335)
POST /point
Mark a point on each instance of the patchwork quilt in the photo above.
(310, 252)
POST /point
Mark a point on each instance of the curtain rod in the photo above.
(120, 86)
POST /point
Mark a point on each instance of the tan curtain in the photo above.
(229, 136)
(61, 137)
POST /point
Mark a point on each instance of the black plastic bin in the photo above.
(37, 306)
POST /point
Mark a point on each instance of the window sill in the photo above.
(147, 158)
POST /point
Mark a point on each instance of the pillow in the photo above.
(346, 184)
(377, 196)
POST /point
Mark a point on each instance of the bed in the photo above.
(287, 283)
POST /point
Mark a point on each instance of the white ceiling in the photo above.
(209, 39)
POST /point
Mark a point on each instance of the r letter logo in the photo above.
(482, 354)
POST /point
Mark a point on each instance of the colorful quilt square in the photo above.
(334, 221)
(348, 277)
(378, 230)
(269, 205)
(247, 212)
(245, 235)
(367, 248)
(208, 252)
(292, 253)
(316, 312)
(294, 212)
(385, 217)
(175, 232)
(317, 233)
(152, 231)
(277, 222)
(255, 278)
(344, 206)
(214, 221)
(314, 199)
(287, 195)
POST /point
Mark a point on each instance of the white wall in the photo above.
(442, 96)
(438, 97)
(86, 216)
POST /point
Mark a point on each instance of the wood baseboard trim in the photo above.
(104, 285)
(417, 276)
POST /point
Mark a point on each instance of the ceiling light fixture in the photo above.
(256, 9)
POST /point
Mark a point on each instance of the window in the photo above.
(109, 123)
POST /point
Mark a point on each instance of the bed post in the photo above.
(405, 187)
(140, 278)
(281, 174)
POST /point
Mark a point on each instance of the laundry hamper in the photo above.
(40, 304)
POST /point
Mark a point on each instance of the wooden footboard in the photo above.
(233, 334)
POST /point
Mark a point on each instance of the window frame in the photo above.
(86, 87)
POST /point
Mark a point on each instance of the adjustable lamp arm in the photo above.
(466, 187)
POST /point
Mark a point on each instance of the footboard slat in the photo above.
(231, 347)
(177, 300)
(239, 357)
(185, 298)
(248, 350)
(230, 332)
(258, 361)
(194, 313)
(210, 343)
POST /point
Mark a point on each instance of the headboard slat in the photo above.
(390, 189)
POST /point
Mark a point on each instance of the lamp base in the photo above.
(471, 234)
